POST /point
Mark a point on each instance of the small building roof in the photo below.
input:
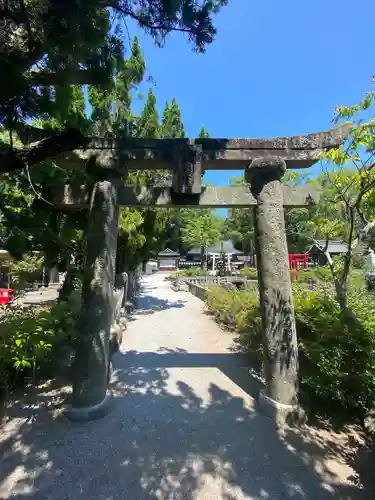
(168, 253)
(334, 246)
(225, 246)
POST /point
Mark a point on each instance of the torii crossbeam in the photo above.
(264, 162)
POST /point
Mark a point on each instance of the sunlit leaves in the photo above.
(346, 112)
(201, 229)
(129, 220)
(331, 229)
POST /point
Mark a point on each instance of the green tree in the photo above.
(172, 126)
(239, 224)
(165, 230)
(148, 124)
(349, 191)
(40, 225)
(111, 114)
(48, 49)
(200, 228)
(173, 229)
(297, 220)
(164, 129)
(32, 222)
(203, 134)
(50, 45)
(53, 98)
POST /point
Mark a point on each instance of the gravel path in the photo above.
(185, 426)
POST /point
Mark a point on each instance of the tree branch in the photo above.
(46, 78)
(142, 22)
(17, 159)
(29, 133)
(348, 254)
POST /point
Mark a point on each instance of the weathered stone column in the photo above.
(90, 368)
(125, 281)
(187, 172)
(279, 329)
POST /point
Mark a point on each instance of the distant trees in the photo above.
(171, 125)
(148, 124)
(203, 134)
(200, 228)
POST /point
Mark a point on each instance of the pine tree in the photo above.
(148, 125)
(176, 125)
(128, 77)
(203, 134)
(111, 109)
(86, 55)
(69, 108)
(164, 129)
(172, 125)
(100, 103)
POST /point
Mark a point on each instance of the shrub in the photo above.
(238, 310)
(359, 256)
(31, 338)
(336, 347)
(305, 275)
(191, 271)
(249, 272)
(316, 275)
(321, 274)
(27, 270)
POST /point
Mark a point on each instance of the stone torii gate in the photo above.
(264, 162)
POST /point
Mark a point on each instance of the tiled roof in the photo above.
(168, 253)
(225, 246)
(334, 246)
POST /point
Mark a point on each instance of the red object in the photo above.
(295, 259)
(6, 296)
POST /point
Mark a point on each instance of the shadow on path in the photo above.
(163, 440)
(184, 426)
(235, 366)
(148, 303)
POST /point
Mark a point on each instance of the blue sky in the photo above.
(275, 68)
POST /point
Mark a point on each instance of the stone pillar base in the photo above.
(89, 413)
(281, 413)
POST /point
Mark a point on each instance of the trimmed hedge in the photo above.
(316, 275)
(192, 271)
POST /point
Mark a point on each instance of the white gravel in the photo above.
(184, 426)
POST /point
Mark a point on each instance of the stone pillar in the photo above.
(279, 330)
(131, 287)
(187, 171)
(125, 279)
(90, 368)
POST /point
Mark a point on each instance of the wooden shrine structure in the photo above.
(264, 162)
